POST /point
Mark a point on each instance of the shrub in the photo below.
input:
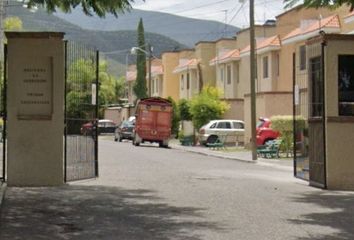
(207, 106)
(284, 125)
(175, 117)
(184, 110)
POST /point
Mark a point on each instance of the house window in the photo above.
(188, 80)
(265, 67)
(346, 85)
(228, 74)
(316, 87)
(277, 60)
(182, 82)
(237, 73)
(222, 74)
(153, 86)
(302, 57)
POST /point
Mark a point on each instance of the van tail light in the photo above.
(202, 131)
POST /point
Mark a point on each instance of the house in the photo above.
(187, 73)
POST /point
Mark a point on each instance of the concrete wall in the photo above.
(225, 44)
(340, 129)
(243, 36)
(267, 105)
(114, 114)
(205, 51)
(170, 81)
(236, 110)
(35, 135)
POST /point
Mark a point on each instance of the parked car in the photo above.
(265, 132)
(234, 131)
(104, 126)
(124, 131)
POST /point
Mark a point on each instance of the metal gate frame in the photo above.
(4, 113)
(94, 119)
(314, 49)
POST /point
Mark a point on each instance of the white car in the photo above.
(229, 131)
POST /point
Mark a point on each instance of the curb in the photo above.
(210, 154)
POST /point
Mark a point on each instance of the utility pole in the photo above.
(2, 18)
(225, 26)
(253, 83)
(149, 63)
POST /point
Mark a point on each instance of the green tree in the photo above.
(175, 116)
(10, 24)
(320, 3)
(81, 74)
(139, 88)
(13, 24)
(99, 7)
(184, 109)
(285, 126)
(207, 106)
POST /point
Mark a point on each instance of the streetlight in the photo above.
(134, 51)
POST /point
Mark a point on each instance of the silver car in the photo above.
(229, 131)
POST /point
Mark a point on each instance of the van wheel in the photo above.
(163, 144)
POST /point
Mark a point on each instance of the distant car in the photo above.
(124, 131)
(132, 119)
(265, 132)
(104, 126)
(234, 131)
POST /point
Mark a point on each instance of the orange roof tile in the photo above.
(228, 56)
(130, 76)
(156, 70)
(191, 63)
(273, 41)
(329, 22)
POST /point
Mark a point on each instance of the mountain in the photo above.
(185, 30)
(119, 42)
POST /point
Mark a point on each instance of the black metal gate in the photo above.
(309, 142)
(3, 111)
(81, 112)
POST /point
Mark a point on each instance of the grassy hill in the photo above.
(184, 30)
(106, 41)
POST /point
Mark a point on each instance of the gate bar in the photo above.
(65, 120)
(323, 45)
(294, 115)
(5, 115)
(96, 113)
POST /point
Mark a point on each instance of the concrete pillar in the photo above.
(35, 109)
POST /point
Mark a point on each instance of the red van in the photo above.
(153, 121)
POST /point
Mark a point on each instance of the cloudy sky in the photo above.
(234, 12)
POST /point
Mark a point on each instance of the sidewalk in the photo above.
(245, 156)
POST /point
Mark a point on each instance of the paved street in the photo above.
(152, 193)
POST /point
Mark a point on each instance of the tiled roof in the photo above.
(189, 64)
(131, 76)
(266, 44)
(226, 57)
(327, 24)
(349, 18)
(156, 70)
